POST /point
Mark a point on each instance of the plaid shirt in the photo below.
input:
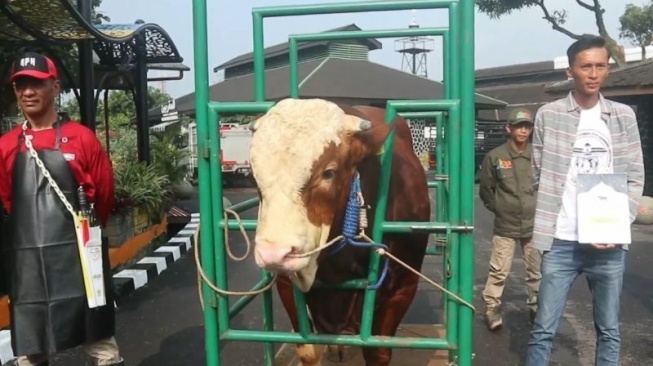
(554, 135)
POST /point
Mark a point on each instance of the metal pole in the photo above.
(142, 121)
(200, 46)
(452, 134)
(86, 74)
(468, 114)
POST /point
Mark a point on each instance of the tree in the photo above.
(121, 106)
(637, 25)
(557, 18)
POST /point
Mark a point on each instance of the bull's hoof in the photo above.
(340, 353)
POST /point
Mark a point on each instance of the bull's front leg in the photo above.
(308, 354)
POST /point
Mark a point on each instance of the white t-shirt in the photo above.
(592, 155)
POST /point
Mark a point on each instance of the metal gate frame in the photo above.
(455, 117)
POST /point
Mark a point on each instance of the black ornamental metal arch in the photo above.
(58, 22)
(126, 47)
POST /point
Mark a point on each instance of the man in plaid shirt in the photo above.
(581, 133)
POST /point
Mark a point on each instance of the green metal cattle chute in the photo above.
(454, 182)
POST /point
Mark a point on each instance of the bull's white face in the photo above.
(299, 159)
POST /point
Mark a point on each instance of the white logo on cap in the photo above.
(28, 61)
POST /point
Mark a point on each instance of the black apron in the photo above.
(49, 310)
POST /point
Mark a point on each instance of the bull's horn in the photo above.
(253, 125)
(356, 124)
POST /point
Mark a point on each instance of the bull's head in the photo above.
(303, 155)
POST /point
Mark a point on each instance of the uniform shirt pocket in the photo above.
(506, 180)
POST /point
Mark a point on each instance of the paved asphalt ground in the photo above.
(162, 323)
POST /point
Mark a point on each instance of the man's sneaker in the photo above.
(493, 317)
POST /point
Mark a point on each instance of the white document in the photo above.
(603, 209)
(93, 252)
(89, 240)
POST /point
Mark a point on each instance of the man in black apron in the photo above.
(48, 304)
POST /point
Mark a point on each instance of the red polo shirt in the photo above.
(84, 153)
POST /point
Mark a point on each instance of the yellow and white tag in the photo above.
(89, 241)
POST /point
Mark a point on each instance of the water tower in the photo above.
(415, 50)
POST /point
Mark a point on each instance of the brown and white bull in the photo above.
(304, 155)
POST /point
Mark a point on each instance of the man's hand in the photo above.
(603, 246)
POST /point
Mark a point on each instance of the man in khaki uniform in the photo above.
(506, 189)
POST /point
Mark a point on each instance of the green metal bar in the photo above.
(468, 117)
(293, 57)
(240, 107)
(452, 135)
(220, 255)
(369, 299)
(248, 224)
(268, 321)
(365, 34)
(302, 312)
(413, 115)
(246, 299)
(353, 340)
(294, 39)
(350, 7)
(259, 57)
(201, 62)
(420, 105)
(419, 226)
(245, 205)
(441, 178)
(446, 66)
(356, 284)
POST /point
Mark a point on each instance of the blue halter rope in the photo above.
(350, 226)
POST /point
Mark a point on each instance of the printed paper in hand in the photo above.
(603, 209)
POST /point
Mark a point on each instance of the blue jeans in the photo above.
(560, 267)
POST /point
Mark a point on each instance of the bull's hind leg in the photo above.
(308, 354)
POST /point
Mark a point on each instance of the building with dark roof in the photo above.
(339, 71)
(521, 85)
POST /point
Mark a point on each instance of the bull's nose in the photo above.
(268, 255)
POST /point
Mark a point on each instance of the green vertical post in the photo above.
(200, 45)
(268, 320)
(446, 62)
(293, 58)
(259, 57)
(452, 259)
(468, 117)
(217, 205)
(379, 218)
(259, 96)
(440, 196)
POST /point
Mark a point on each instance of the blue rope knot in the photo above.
(350, 226)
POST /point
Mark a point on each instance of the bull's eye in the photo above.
(328, 174)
